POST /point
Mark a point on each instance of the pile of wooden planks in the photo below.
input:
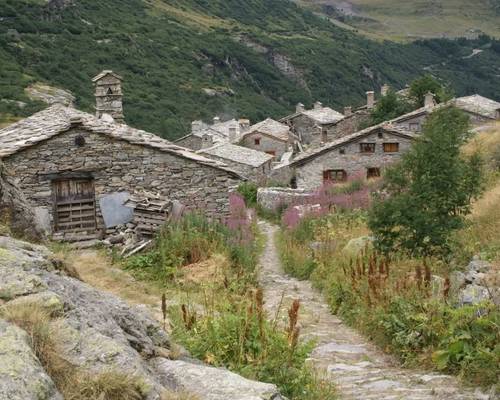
(150, 212)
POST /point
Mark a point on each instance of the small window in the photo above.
(324, 135)
(391, 147)
(414, 126)
(381, 135)
(256, 141)
(342, 151)
(373, 173)
(110, 91)
(271, 152)
(334, 175)
(367, 147)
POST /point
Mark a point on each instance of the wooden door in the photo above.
(74, 201)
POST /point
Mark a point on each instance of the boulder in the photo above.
(22, 377)
(97, 332)
(210, 383)
(473, 294)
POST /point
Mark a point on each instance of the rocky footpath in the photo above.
(356, 366)
(99, 333)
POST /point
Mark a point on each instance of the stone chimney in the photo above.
(299, 108)
(384, 89)
(207, 141)
(216, 120)
(196, 126)
(347, 111)
(370, 100)
(318, 105)
(244, 124)
(109, 95)
(233, 134)
(429, 100)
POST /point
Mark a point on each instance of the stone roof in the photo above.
(475, 104)
(105, 73)
(57, 119)
(322, 115)
(218, 131)
(238, 154)
(316, 151)
(272, 128)
(478, 105)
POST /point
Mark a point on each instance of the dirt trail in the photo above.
(357, 367)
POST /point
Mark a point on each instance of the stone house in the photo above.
(269, 136)
(480, 110)
(70, 164)
(365, 153)
(204, 135)
(252, 164)
(310, 125)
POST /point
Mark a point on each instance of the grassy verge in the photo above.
(219, 314)
(405, 305)
(73, 383)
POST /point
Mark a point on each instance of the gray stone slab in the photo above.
(113, 211)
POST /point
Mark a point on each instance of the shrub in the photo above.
(428, 194)
(249, 192)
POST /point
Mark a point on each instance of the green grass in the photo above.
(404, 20)
(168, 51)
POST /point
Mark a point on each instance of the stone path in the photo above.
(358, 368)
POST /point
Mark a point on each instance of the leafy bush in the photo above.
(436, 181)
(389, 107)
(249, 192)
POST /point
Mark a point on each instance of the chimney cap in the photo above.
(318, 105)
(216, 119)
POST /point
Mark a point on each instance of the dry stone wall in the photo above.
(117, 166)
(266, 144)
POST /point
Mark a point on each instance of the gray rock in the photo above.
(99, 332)
(479, 265)
(47, 300)
(473, 294)
(210, 383)
(22, 377)
(457, 280)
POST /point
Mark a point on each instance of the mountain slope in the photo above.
(190, 59)
(414, 19)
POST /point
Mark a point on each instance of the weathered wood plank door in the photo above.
(74, 201)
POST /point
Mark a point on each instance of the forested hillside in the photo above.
(190, 59)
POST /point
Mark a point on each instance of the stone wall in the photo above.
(348, 125)
(414, 124)
(117, 166)
(267, 144)
(304, 127)
(310, 175)
(274, 198)
(257, 175)
(191, 142)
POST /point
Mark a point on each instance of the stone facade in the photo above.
(347, 157)
(265, 143)
(116, 166)
(191, 142)
(348, 125)
(413, 123)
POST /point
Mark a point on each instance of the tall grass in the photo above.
(234, 332)
(398, 302)
(74, 383)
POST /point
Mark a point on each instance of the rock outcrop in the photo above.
(14, 209)
(98, 333)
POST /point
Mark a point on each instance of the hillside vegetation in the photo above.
(407, 20)
(258, 58)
